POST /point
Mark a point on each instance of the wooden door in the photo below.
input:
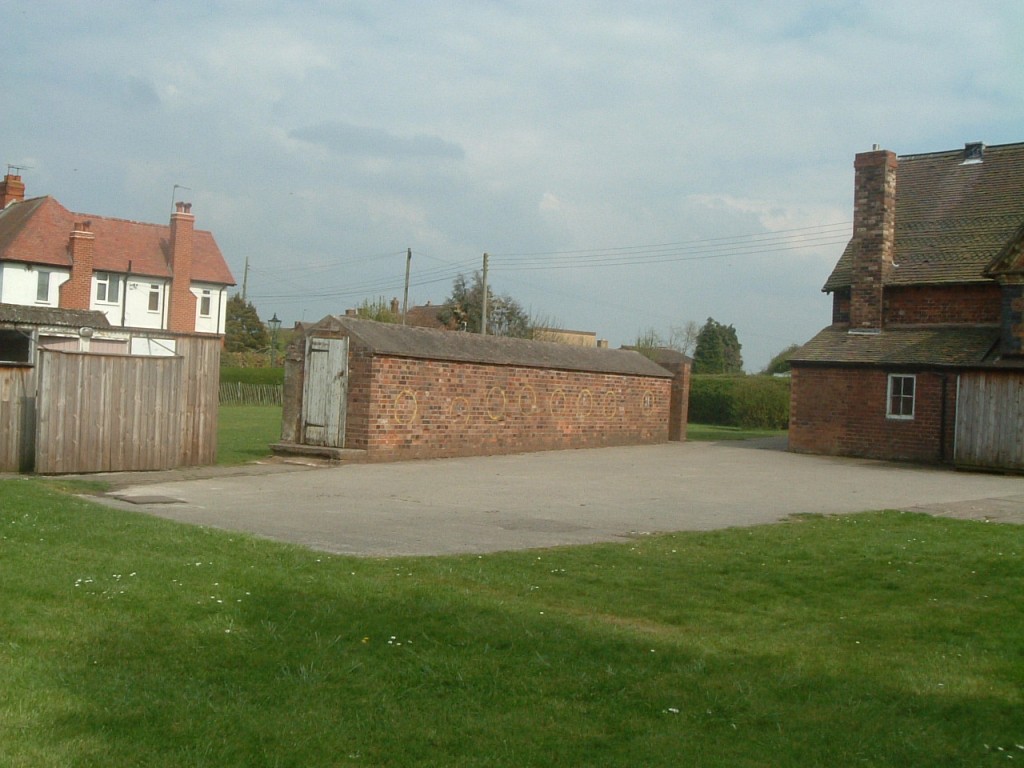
(325, 393)
(990, 420)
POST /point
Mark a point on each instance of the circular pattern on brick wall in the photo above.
(609, 404)
(584, 403)
(460, 410)
(647, 401)
(557, 401)
(406, 407)
(527, 399)
(497, 401)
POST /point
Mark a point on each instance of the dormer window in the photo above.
(974, 152)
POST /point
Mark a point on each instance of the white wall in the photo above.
(134, 303)
(18, 283)
(214, 322)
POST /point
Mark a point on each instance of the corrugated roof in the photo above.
(952, 219)
(18, 314)
(955, 346)
(36, 231)
(431, 344)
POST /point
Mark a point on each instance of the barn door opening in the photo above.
(325, 392)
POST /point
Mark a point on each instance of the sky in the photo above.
(626, 166)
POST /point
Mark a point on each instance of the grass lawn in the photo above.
(708, 432)
(245, 432)
(880, 639)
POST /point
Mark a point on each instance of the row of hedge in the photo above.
(750, 402)
(230, 374)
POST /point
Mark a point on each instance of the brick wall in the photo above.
(410, 408)
(842, 411)
(1012, 319)
(973, 304)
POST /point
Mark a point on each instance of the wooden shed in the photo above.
(395, 392)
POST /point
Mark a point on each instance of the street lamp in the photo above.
(275, 326)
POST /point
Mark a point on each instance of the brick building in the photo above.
(399, 392)
(923, 360)
(168, 277)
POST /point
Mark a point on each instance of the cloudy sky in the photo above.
(626, 165)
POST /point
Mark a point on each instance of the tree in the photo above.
(243, 329)
(380, 310)
(681, 338)
(717, 350)
(463, 310)
(780, 363)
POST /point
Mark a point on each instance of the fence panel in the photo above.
(17, 418)
(104, 413)
(237, 393)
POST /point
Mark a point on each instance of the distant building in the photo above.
(169, 277)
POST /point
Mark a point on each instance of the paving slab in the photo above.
(487, 504)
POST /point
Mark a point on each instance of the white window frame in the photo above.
(107, 283)
(205, 303)
(43, 287)
(154, 290)
(899, 414)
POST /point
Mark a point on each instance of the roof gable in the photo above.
(36, 231)
(953, 218)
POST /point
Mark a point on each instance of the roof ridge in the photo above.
(958, 150)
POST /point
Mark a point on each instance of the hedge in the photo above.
(233, 375)
(750, 402)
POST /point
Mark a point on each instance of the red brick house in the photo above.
(924, 359)
(167, 277)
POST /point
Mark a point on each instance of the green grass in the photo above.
(879, 639)
(245, 432)
(710, 432)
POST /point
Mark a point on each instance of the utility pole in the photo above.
(483, 308)
(245, 278)
(405, 300)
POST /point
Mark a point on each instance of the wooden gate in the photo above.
(325, 392)
(990, 420)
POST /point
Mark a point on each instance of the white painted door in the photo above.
(325, 392)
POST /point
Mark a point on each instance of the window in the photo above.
(43, 286)
(901, 396)
(204, 304)
(108, 287)
(154, 298)
(15, 346)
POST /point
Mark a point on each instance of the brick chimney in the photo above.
(874, 228)
(181, 315)
(12, 190)
(76, 292)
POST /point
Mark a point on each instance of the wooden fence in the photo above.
(97, 413)
(237, 393)
(17, 418)
(88, 412)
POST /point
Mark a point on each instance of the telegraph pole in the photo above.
(483, 309)
(405, 300)
(245, 278)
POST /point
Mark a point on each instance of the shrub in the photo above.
(750, 402)
(235, 375)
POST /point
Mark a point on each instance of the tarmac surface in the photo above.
(559, 498)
